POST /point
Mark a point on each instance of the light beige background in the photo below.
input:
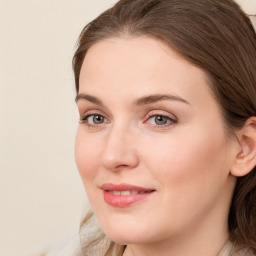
(41, 195)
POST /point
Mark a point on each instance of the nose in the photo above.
(119, 150)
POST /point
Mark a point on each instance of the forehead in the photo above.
(135, 61)
(130, 68)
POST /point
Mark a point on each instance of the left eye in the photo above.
(160, 120)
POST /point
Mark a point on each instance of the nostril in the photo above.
(123, 166)
(119, 160)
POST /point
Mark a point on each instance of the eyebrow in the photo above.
(82, 96)
(159, 97)
(145, 100)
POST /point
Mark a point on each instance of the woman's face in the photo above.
(151, 147)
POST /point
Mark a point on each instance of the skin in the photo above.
(187, 160)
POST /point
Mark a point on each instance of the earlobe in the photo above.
(245, 159)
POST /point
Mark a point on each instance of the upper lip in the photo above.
(123, 187)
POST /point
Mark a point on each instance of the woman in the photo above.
(166, 145)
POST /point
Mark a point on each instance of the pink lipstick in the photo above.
(123, 195)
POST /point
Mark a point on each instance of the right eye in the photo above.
(93, 119)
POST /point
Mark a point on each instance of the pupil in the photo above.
(160, 120)
(97, 119)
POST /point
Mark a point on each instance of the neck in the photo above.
(212, 249)
(194, 242)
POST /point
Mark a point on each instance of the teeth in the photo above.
(126, 192)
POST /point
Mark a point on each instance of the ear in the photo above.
(245, 159)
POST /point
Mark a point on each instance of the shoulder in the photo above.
(243, 252)
(230, 250)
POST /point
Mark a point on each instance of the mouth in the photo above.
(124, 195)
(126, 192)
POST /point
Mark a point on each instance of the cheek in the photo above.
(191, 173)
(86, 156)
(180, 159)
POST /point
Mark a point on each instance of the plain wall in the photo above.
(41, 195)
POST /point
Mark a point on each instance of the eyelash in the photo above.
(84, 120)
(169, 120)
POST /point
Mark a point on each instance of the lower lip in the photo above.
(123, 201)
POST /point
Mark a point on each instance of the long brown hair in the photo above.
(218, 37)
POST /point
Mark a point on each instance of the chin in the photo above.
(126, 233)
(128, 238)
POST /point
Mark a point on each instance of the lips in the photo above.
(123, 195)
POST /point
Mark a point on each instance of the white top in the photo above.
(73, 248)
